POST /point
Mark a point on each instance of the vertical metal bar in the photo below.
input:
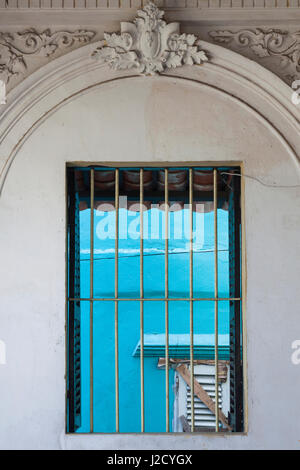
(67, 293)
(167, 296)
(244, 296)
(191, 301)
(142, 296)
(92, 197)
(116, 297)
(216, 297)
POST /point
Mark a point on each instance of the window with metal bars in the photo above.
(154, 299)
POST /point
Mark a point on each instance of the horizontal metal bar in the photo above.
(205, 165)
(163, 299)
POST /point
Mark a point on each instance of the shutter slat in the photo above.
(203, 417)
(74, 314)
(236, 374)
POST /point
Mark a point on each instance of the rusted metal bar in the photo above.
(191, 301)
(142, 297)
(157, 299)
(216, 297)
(167, 295)
(92, 195)
(116, 298)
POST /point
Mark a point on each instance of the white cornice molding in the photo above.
(25, 49)
(135, 4)
(190, 15)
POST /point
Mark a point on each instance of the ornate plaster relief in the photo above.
(283, 46)
(144, 49)
(16, 49)
(150, 45)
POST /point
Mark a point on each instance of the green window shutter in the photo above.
(74, 328)
(236, 368)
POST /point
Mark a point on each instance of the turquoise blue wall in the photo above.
(154, 315)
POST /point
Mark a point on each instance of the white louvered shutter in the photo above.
(204, 418)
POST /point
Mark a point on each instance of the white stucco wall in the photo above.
(145, 120)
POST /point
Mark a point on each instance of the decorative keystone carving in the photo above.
(16, 47)
(149, 45)
(270, 43)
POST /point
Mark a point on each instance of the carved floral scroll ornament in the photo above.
(16, 48)
(267, 43)
(149, 45)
